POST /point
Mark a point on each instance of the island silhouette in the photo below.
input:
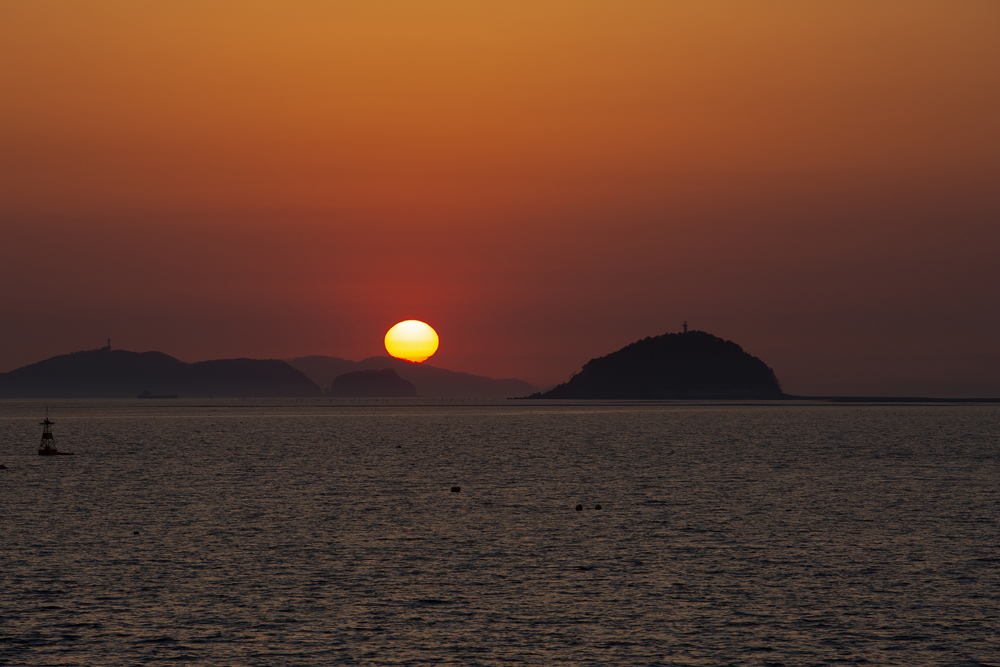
(385, 383)
(692, 364)
(430, 381)
(108, 373)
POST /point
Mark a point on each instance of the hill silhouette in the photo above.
(371, 383)
(106, 373)
(430, 381)
(694, 364)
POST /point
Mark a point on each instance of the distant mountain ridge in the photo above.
(430, 381)
(694, 364)
(107, 373)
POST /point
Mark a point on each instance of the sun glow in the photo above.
(412, 340)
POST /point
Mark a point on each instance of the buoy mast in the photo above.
(47, 446)
(46, 429)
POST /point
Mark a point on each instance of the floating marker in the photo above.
(598, 507)
(579, 508)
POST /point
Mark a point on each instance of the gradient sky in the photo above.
(543, 182)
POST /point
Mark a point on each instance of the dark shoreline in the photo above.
(891, 399)
(777, 399)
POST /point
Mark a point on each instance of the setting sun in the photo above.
(412, 340)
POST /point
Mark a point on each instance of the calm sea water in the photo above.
(298, 533)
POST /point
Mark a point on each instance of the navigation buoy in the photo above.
(579, 508)
(456, 489)
(598, 507)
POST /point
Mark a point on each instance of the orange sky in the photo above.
(543, 182)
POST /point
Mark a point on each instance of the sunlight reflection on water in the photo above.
(273, 533)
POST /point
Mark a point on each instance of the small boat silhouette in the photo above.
(48, 448)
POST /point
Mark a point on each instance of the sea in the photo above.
(325, 532)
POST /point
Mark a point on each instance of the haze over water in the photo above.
(315, 533)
